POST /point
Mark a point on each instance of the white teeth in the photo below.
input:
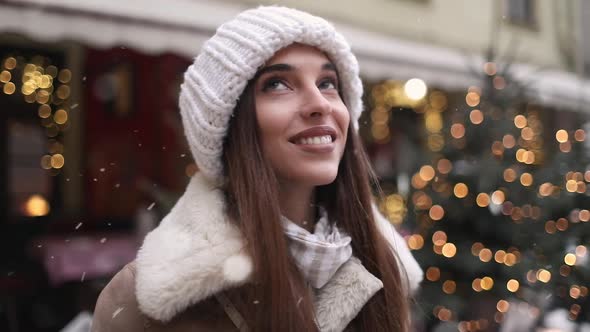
(326, 139)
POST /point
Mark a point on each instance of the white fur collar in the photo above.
(195, 252)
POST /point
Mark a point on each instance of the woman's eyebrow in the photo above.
(281, 67)
(329, 66)
(284, 67)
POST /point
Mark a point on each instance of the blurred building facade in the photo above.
(92, 148)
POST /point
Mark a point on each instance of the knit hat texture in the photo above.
(229, 59)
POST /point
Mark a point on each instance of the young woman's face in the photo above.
(302, 120)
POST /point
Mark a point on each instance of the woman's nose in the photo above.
(315, 103)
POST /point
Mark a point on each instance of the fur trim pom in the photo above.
(237, 268)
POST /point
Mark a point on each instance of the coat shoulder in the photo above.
(117, 308)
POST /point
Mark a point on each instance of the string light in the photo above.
(512, 285)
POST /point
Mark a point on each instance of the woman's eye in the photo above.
(328, 84)
(274, 84)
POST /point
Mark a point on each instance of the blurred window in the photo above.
(520, 11)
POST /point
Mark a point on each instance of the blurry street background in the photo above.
(477, 121)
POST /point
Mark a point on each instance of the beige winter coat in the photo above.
(187, 266)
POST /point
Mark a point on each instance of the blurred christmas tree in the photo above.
(496, 195)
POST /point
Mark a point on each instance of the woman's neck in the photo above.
(297, 204)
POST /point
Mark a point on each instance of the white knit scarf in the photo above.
(319, 255)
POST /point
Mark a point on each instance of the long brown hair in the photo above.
(283, 302)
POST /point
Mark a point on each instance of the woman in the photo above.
(277, 232)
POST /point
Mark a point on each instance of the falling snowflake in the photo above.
(83, 275)
(117, 312)
(78, 226)
(151, 206)
(102, 169)
(103, 240)
(73, 106)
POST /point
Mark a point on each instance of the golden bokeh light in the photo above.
(508, 141)
(580, 135)
(9, 88)
(570, 259)
(498, 197)
(565, 147)
(482, 200)
(36, 206)
(571, 186)
(472, 98)
(503, 306)
(44, 111)
(10, 63)
(444, 314)
(487, 283)
(520, 121)
(489, 68)
(46, 162)
(499, 256)
(64, 76)
(449, 287)
(485, 255)
(438, 100)
(449, 250)
(433, 121)
(436, 142)
(520, 155)
(46, 81)
(51, 70)
(546, 189)
(427, 172)
(461, 190)
(526, 179)
(581, 251)
(562, 224)
(415, 242)
(527, 133)
(476, 116)
(561, 136)
(509, 175)
(42, 97)
(476, 285)
(476, 248)
(497, 148)
(543, 275)
(575, 292)
(439, 238)
(457, 130)
(433, 273)
(436, 212)
(57, 161)
(512, 285)
(421, 200)
(444, 166)
(5, 76)
(63, 92)
(510, 259)
(415, 89)
(60, 117)
(550, 227)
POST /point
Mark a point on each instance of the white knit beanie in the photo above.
(227, 61)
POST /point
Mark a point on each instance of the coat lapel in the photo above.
(196, 252)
